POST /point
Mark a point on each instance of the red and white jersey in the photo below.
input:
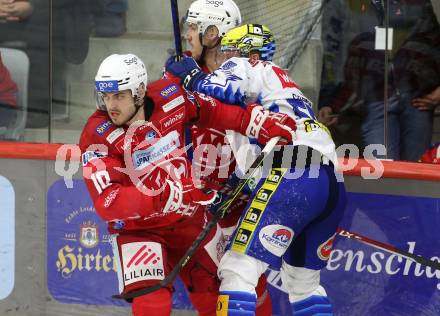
(126, 168)
(221, 161)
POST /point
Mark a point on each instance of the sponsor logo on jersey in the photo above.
(162, 148)
(115, 134)
(173, 103)
(169, 91)
(103, 127)
(284, 78)
(252, 215)
(263, 195)
(299, 97)
(228, 65)
(142, 261)
(252, 183)
(90, 155)
(243, 236)
(275, 176)
(107, 86)
(276, 238)
(111, 197)
(150, 135)
(325, 248)
(313, 125)
(207, 98)
(255, 211)
(172, 119)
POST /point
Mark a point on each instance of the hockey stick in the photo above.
(176, 29)
(388, 248)
(213, 222)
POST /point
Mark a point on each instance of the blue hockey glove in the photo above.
(187, 70)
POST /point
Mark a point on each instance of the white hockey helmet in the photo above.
(120, 72)
(224, 14)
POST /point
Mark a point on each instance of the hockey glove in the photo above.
(185, 198)
(263, 125)
(187, 70)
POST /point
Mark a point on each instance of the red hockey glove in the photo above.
(263, 125)
(184, 197)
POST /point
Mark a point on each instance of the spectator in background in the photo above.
(413, 75)
(14, 15)
(14, 10)
(31, 35)
(70, 28)
(8, 96)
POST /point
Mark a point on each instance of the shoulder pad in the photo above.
(166, 94)
(100, 130)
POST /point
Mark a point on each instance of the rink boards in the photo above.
(55, 257)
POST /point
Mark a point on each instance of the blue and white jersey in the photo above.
(243, 81)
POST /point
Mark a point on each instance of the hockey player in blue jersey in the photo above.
(291, 220)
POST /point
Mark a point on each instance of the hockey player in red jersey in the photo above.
(206, 23)
(138, 175)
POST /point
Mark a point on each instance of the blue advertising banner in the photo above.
(364, 281)
(359, 279)
(80, 263)
(7, 238)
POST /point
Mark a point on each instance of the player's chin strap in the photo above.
(222, 210)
